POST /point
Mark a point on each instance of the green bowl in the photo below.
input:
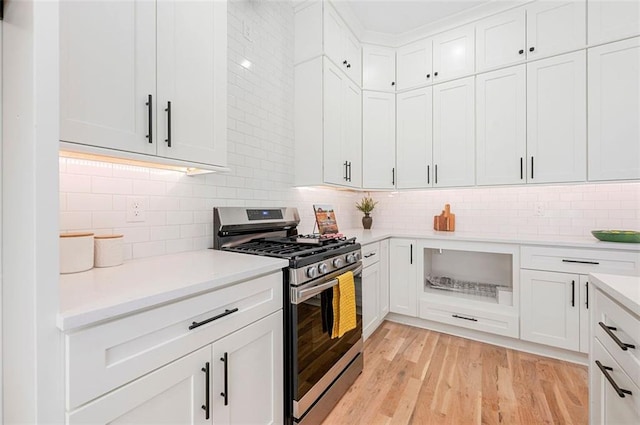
(628, 236)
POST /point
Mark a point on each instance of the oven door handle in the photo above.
(300, 295)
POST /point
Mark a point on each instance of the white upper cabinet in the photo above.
(378, 140)
(556, 119)
(378, 68)
(414, 139)
(500, 40)
(614, 110)
(454, 54)
(414, 64)
(453, 133)
(555, 27)
(116, 86)
(501, 126)
(612, 20)
(107, 76)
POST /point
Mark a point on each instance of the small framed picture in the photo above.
(326, 219)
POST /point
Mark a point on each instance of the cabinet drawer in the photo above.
(627, 332)
(104, 357)
(495, 323)
(370, 254)
(579, 260)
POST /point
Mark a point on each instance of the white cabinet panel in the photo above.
(555, 27)
(378, 68)
(454, 54)
(352, 138)
(340, 45)
(378, 140)
(415, 64)
(403, 277)
(585, 303)
(556, 119)
(501, 127)
(414, 139)
(500, 40)
(370, 299)
(614, 111)
(191, 78)
(454, 133)
(353, 54)
(384, 278)
(549, 308)
(334, 170)
(106, 76)
(612, 20)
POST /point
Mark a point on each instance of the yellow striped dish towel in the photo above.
(344, 305)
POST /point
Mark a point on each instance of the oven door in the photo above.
(317, 359)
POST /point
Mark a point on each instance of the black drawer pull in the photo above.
(369, 255)
(207, 388)
(225, 393)
(211, 319)
(150, 119)
(465, 318)
(581, 262)
(621, 392)
(623, 345)
(573, 293)
(168, 111)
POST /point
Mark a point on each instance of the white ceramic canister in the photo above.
(76, 252)
(108, 250)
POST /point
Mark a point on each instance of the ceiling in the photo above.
(395, 17)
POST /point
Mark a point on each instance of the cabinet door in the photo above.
(384, 278)
(556, 119)
(403, 277)
(173, 394)
(107, 72)
(453, 133)
(549, 308)
(414, 139)
(335, 169)
(378, 140)
(585, 302)
(500, 40)
(192, 59)
(247, 376)
(614, 111)
(555, 27)
(370, 299)
(501, 129)
(353, 54)
(334, 36)
(352, 136)
(454, 54)
(414, 64)
(612, 20)
(378, 68)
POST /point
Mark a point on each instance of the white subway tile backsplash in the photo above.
(159, 233)
(133, 234)
(111, 185)
(108, 219)
(179, 217)
(89, 202)
(149, 187)
(75, 183)
(148, 249)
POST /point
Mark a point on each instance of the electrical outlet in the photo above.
(136, 209)
(538, 209)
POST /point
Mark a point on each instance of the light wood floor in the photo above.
(416, 376)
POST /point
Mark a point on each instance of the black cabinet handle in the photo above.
(604, 369)
(348, 65)
(532, 168)
(345, 170)
(150, 111)
(344, 62)
(436, 177)
(586, 289)
(428, 174)
(349, 171)
(521, 51)
(168, 111)
(211, 319)
(435, 74)
(428, 75)
(411, 254)
(207, 388)
(225, 393)
(531, 49)
(393, 176)
(521, 168)
(393, 83)
(623, 345)
(573, 293)
(465, 318)
(369, 255)
(581, 262)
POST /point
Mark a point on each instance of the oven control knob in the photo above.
(322, 268)
(351, 258)
(312, 272)
(337, 263)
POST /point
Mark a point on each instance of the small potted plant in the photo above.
(366, 205)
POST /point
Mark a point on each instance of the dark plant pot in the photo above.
(367, 221)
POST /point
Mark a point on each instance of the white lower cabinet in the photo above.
(403, 277)
(375, 286)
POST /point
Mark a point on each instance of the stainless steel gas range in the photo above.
(318, 369)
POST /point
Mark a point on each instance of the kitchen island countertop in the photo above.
(623, 289)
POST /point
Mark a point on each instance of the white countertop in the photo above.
(375, 235)
(623, 289)
(105, 293)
